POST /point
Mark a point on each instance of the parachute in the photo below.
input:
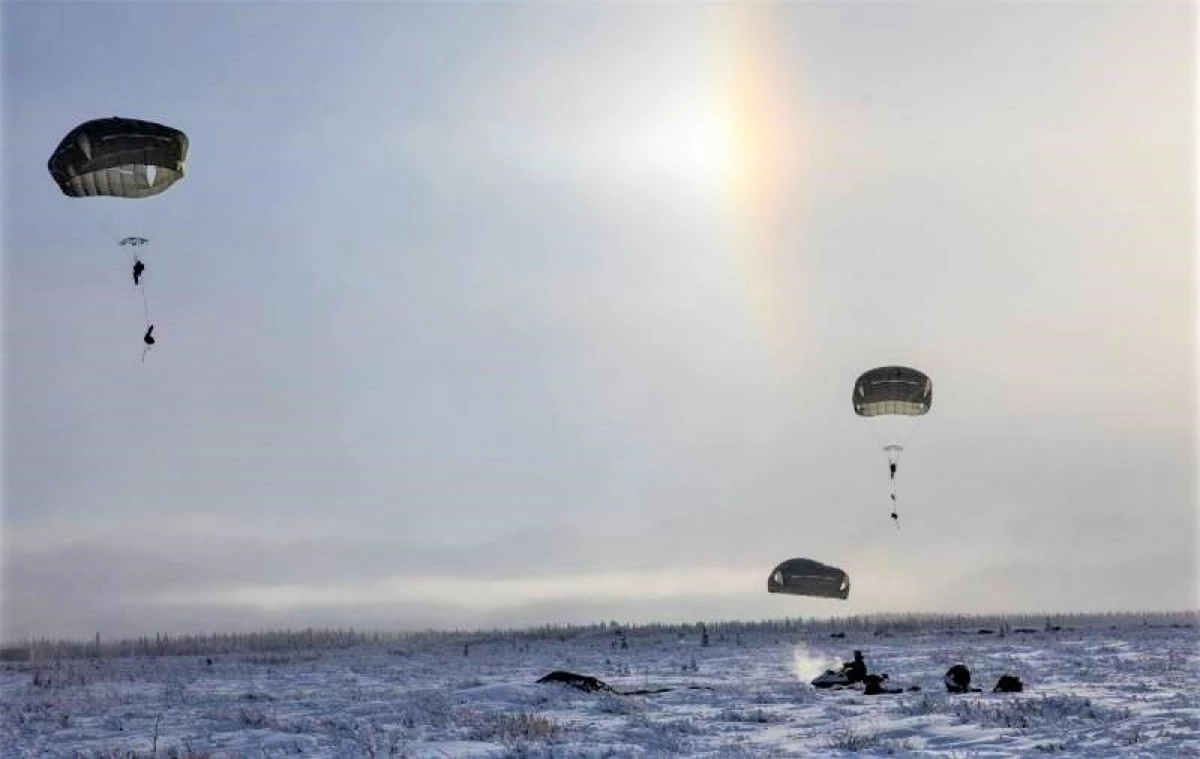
(892, 398)
(893, 390)
(806, 577)
(118, 157)
(121, 158)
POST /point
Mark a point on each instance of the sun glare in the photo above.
(693, 145)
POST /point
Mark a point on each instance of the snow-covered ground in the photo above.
(1099, 687)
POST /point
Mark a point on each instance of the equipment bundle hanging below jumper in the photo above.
(139, 270)
(893, 452)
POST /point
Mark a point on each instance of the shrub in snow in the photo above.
(426, 708)
(515, 728)
(252, 717)
(1034, 712)
(606, 703)
(846, 738)
(760, 716)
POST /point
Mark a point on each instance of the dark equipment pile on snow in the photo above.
(851, 672)
(585, 683)
(830, 679)
(589, 684)
(958, 680)
(875, 685)
(1008, 684)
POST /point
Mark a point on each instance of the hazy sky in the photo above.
(512, 313)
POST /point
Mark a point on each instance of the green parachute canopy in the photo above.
(806, 577)
(896, 390)
(118, 157)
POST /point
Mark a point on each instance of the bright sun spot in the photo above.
(696, 146)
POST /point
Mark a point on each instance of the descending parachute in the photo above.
(121, 158)
(892, 398)
(806, 577)
(116, 157)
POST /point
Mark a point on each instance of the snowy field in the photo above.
(1103, 686)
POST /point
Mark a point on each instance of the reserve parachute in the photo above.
(806, 577)
(892, 399)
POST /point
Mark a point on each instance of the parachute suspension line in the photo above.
(145, 305)
(893, 453)
(138, 267)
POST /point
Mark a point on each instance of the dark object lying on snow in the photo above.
(830, 679)
(585, 683)
(1008, 684)
(874, 685)
(589, 684)
(958, 680)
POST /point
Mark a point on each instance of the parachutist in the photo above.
(892, 469)
(138, 268)
(148, 338)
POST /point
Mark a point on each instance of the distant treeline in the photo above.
(162, 644)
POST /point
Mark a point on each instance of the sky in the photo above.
(506, 314)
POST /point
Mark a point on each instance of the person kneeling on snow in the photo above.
(855, 671)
